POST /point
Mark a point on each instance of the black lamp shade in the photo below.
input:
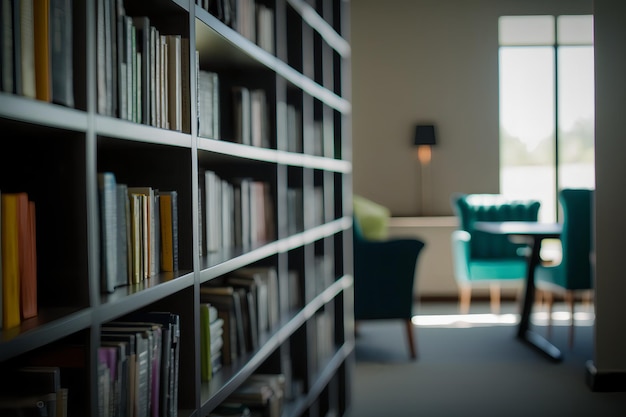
(424, 135)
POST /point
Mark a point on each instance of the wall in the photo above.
(429, 61)
(610, 69)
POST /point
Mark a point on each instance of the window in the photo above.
(546, 107)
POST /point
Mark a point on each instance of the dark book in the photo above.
(152, 332)
(250, 306)
(107, 190)
(242, 116)
(120, 382)
(123, 236)
(61, 52)
(130, 373)
(170, 323)
(269, 279)
(142, 27)
(7, 43)
(142, 369)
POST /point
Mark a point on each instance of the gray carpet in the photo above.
(473, 370)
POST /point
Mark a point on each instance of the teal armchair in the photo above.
(483, 260)
(384, 276)
(572, 275)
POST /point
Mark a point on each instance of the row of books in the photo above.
(138, 230)
(295, 210)
(324, 275)
(251, 117)
(143, 73)
(247, 302)
(33, 391)
(235, 213)
(260, 395)
(37, 55)
(237, 309)
(18, 259)
(294, 129)
(322, 347)
(255, 21)
(138, 362)
(208, 104)
(211, 341)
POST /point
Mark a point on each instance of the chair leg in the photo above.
(410, 338)
(549, 301)
(569, 299)
(588, 300)
(465, 297)
(494, 296)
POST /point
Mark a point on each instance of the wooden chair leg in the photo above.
(569, 299)
(588, 300)
(494, 296)
(465, 297)
(539, 299)
(410, 338)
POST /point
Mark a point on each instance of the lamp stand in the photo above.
(424, 156)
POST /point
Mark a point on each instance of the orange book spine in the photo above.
(28, 257)
(167, 257)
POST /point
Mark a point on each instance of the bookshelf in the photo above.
(270, 119)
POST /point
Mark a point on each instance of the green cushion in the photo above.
(372, 217)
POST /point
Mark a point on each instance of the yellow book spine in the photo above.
(10, 263)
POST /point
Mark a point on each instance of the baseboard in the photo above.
(605, 381)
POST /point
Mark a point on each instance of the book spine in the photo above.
(41, 41)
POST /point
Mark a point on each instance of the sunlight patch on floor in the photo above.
(559, 318)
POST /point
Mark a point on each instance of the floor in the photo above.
(473, 365)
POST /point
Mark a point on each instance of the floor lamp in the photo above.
(423, 140)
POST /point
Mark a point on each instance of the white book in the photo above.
(185, 86)
(164, 83)
(27, 34)
(215, 96)
(213, 207)
(150, 230)
(258, 118)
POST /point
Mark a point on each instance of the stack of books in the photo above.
(138, 365)
(138, 230)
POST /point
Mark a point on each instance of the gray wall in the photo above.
(610, 45)
(430, 61)
(437, 61)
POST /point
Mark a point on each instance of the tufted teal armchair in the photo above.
(573, 274)
(483, 260)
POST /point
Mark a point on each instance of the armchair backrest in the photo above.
(576, 239)
(471, 208)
